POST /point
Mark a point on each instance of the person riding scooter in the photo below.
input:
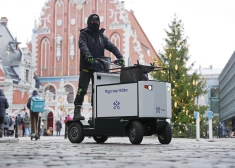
(92, 44)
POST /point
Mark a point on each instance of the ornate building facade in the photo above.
(16, 70)
(54, 47)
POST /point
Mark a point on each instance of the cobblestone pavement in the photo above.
(117, 152)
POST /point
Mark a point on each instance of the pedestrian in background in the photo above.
(69, 118)
(3, 106)
(41, 128)
(11, 125)
(20, 123)
(26, 121)
(6, 125)
(23, 127)
(58, 127)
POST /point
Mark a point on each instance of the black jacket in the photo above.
(95, 45)
(34, 93)
(3, 104)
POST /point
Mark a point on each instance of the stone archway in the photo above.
(70, 90)
(50, 120)
(21, 112)
(44, 118)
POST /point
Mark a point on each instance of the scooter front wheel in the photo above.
(100, 139)
(75, 133)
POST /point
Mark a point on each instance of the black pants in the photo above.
(1, 123)
(84, 80)
(6, 132)
(23, 129)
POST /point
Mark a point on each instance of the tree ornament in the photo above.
(176, 67)
(178, 42)
(175, 104)
(186, 45)
(187, 93)
(170, 56)
(184, 61)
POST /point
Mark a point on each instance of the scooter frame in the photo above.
(133, 126)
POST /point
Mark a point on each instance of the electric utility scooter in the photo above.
(126, 104)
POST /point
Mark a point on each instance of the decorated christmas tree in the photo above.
(186, 84)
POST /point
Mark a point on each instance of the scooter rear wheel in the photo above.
(75, 133)
(165, 135)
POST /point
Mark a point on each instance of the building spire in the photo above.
(35, 24)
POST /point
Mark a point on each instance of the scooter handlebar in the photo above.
(112, 62)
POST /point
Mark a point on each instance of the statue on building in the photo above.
(49, 96)
(71, 46)
(61, 89)
(58, 46)
(37, 81)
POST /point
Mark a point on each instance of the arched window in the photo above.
(50, 92)
(70, 96)
(116, 40)
(45, 54)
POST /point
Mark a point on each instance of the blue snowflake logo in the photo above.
(116, 105)
(158, 109)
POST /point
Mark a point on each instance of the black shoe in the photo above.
(0, 133)
(37, 136)
(77, 113)
(90, 122)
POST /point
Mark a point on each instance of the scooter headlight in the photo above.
(149, 87)
(168, 88)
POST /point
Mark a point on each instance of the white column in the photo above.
(198, 128)
(197, 117)
(210, 116)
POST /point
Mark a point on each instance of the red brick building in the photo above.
(54, 46)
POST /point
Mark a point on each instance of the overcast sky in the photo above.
(209, 24)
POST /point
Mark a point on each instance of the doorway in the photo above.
(50, 120)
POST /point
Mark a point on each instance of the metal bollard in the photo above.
(190, 131)
(206, 136)
(39, 126)
(66, 129)
(16, 130)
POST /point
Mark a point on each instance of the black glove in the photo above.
(119, 62)
(90, 59)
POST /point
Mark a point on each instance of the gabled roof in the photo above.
(9, 53)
